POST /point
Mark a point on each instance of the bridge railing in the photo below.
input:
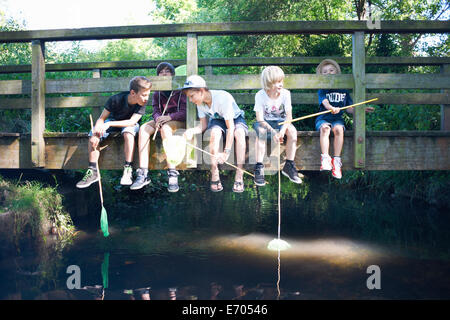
(360, 82)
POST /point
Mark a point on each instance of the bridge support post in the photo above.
(359, 94)
(96, 111)
(191, 112)
(445, 108)
(38, 104)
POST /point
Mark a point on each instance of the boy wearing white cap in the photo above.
(225, 117)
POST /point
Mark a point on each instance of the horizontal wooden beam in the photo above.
(241, 98)
(235, 82)
(227, 62)
(385, 150)
(229, 28)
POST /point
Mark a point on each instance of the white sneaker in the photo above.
(337, 165)
(326, 163)
(127, 175)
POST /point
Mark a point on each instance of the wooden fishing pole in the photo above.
(327, 111)
(103, 216)
(210, 154)
(164, 111)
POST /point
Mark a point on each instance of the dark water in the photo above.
(201, 245)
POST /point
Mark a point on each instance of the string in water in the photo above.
(278, 244)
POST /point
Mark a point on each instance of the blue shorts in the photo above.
(133, 130)
(262, 132)
(332, 124)
(239, 122)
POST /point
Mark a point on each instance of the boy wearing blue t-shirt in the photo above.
(332, 99)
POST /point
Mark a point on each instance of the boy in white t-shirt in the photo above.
(272, 106)
(225, 117)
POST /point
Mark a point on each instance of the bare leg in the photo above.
(128, 146)
(239, 137)
(324, 139)
(338, 140)
(166, 133)
(145, 134)
(216, 135)
(260, 144)
(291, 144)
(94, 153)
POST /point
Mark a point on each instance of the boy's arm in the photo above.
(180, 115)
(223, 156)
(100, 128)
(328, 106)
(262, 122)
(125, 123)
(201, 127)
(155, 103)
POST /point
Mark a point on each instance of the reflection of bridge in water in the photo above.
(369, 150)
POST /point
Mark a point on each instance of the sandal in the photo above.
(218, 185)
(237, 186)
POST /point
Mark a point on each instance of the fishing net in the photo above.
(175, 149)
(104, 222)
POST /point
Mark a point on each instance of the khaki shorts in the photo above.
(174, 125)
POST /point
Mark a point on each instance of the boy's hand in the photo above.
(370, 109)
(279, 137)
(100, 129)
(335, 110)
(188, 134)
(222, 157)
(163, 119)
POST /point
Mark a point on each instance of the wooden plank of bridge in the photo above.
(359, 94)
(385, 150)
(227, 28)
(445, 108)
(422, 98)
(38, 104)
(191, 112)
(224, 62)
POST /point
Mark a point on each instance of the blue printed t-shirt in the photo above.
(338, 99)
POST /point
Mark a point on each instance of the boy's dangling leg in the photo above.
(324, 146)
(338, 132)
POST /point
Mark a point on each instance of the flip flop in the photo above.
(237, 186)
(216, 183)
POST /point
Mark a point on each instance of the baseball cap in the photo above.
(194, 81)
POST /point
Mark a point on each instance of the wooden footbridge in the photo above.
(367, 150)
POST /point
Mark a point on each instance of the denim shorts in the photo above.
(332, 124)
(262, 132)
(239, 122)
(132, 129)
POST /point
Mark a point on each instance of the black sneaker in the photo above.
(141, 180)
(259, 175)
(173, 180)
(290, 171)
(89, 178)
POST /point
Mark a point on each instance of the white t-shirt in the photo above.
(223, 107)
(273, 109)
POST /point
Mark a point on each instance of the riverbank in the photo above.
(31, 217)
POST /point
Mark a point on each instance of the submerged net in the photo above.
(104, 222)
(175, 149)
